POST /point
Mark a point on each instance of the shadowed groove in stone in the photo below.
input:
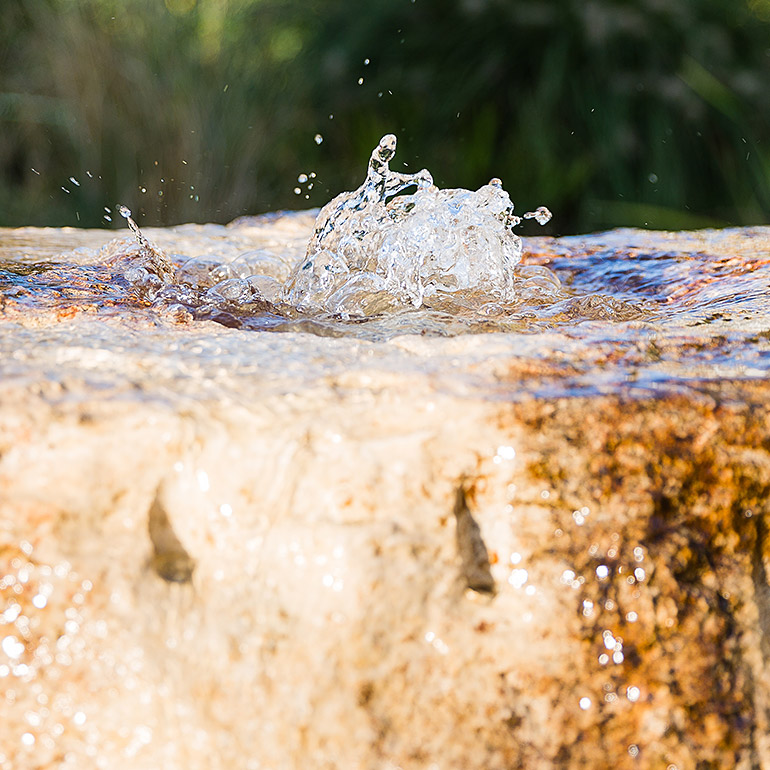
(169, 559)
(471, 548)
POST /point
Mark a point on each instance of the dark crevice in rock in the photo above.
(169, 559)
(762, 599)
(470, 545)
(762, 588)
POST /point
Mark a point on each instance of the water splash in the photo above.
(375, 249)
(152, 267)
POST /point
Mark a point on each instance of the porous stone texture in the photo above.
(232, 549)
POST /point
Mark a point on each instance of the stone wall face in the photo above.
(233, 549)
(376, 573)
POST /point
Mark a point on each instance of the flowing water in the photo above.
(382, 261)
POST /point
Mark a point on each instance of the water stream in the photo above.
(397, 256)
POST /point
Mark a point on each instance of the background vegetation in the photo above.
(611, 112)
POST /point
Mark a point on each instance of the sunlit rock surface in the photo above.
(223, 546)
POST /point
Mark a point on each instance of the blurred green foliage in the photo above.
(611, 112)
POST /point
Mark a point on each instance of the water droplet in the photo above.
(602, 571)
(74, 181)
(28, 739)
(302, 178)
(360, 81)
(297, 191)
(541, 215)
(585, 703)
(653, 178)
(366, 62)
(318, 139)
(633, 694)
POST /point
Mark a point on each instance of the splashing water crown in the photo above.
(376, 247)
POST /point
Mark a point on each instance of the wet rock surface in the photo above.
(230, 548)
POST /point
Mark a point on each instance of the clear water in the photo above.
(398, 256)
(375, 250)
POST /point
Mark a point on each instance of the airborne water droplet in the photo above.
(318, 138)
(541, 215)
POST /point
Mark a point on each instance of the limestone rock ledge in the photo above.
(222, 549)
